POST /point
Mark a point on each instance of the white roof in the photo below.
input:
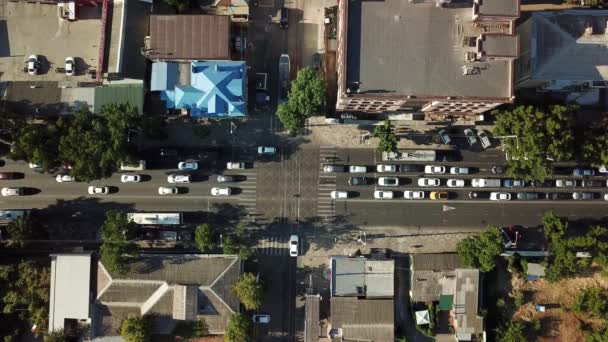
(70, 287)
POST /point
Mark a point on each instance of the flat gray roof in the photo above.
(499, 7)
(70, 286)
(360, 276)
(404, 48)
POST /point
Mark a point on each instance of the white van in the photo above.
(133, 167)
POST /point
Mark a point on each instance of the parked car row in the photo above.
(471, 135)
(492, 196)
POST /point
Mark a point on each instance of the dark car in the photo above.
(168, 152)
(557, 196)
(514, 183)
(284, 23)
(8, 175)
(539, 184)
(528, 196)
(411, 168)
(479, 195)
(587, 183)
(498, 169)
(358, 181)
(580, 172)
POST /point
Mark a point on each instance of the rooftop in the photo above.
(362, 277)
(363, 319)
(433, 275)
(466, 302)
(407, 48)
(499, 7)
(70, 287)
(567, 45)
(172, 287)
(189, 37)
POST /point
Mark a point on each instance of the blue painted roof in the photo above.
(164, 76)
(217, 88)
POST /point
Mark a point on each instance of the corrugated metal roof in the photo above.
(435, 262)
(132, 94)
(363, 319)
(311, 327)
(189, 37)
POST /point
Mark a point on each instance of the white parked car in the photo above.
(221, 191)
(33, 64)
(130, 178)
(64, 178)
(338, 194)
(455, 183)
(294, 241)
(387, 168)
(266, 150)
(383, 194)
(565, 183)
(333, 168)
(187, 165)
(456, 170)
(388, 181)
(605, 197)
(434, 169)
(235, 165)
(408, 194)
(357, 169)
(428, 181)
(99, 190)
(178, 178)
(500, 196)
(471, 139)
(70, 66)
(164, 190)
(485, 140)
(11, 191)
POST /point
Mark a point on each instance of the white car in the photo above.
(500, 196)
(338, 194)
(235, 165)
(434, 169)
(64, 178)
(187, 165)
(386, 168)
(130, 178)
(99, 190)
(605, 197)
(455, 170)
(408, 194)
(565, 183)
(294, 241)
(388, 181)
(471, 139)
(455, 183)
(35, 165)
(221, 191)
(266, 150)
(11, 192)
(428, 182)
(178, 179)
(70, 66)
(383, 194)
(163, 190)
(357, 169)
(33, 64)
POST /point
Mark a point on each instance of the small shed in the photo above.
(535, 271)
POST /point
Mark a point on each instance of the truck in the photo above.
(485, 183)
(9, 215)
(156, 218)
(410, 155)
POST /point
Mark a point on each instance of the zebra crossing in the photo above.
(247, 197)
(273, 245)
(327, 182)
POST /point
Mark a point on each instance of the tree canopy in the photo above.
(115, 250)
(388, 139)
(249, 291)
(531, 135)
(511, 332)
(238, 329)
(595, 149)
(94, 145)
(482, 250)
(22, 229)
(204, 237)
(135, 329)
(307, 97)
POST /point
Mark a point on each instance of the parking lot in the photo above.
(36, 29)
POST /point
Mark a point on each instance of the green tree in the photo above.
(11, 124)
(231, 245)
(595, 149)
(191, 329)
(117, 227)
(22, 229)
(532, 135)
(511, 332)
(249, 291)
(39, 143)
(290, 118)
(204, 237)
(115, 250)
(154, 127)
(388, 139)
(308, 93)
(482, 250)
(135, 329)
(55, 336)
(238, 329)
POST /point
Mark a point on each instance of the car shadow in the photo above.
(236, 191)
(27, 191)
(112, 189)
(183, 190)
(145, 178)
(354, 194)
(199, 178)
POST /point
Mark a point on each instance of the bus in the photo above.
(410, 155)
(156, 218)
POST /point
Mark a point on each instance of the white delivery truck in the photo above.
(485, 183)
(410, 155)
(156, 218)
